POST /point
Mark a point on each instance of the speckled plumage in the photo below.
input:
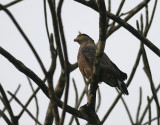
(109, 72)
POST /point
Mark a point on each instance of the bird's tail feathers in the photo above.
(122, 87)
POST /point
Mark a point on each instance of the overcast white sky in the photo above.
(122, 48)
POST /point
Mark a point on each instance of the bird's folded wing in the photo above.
(110, 67)
(122, 74)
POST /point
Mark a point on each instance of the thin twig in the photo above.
(147, 123)
(109, 5)
(15, 93)
(8, 106)
(109, 10)
(132, 10)
(5, 117)
(127, 109)
(25, 37)
(36, 100)
(78, 104)
(66, 62)
(151, 19)
(145, 59)
(17, 100)
(99, 100)
(120, 7)
(45, 17)
(12, 3)
(131, 29)
(146, 13)
(22, 68)
(128, 83)
(147, 68)
(142, 25)
(56, 31)
(50, 81)
(139, 105)
(130, 15)
(137, 24)
(137, 34)
(76, 91)
(27, 103)
(134, 67)
(149, 74)
(118, 12)
(111, 108)
(136, 9)
(77, 121)
(147, 106)
(149, 114)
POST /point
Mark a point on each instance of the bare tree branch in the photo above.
(99, 53)
(128, 83)
(36, 99)
(137, 34)
(120, 7)
(127, 109)
(18, 88)
(147, 123)
(147, 106)
(99, 100)
(27, 103)
(25, 37)
(128, 27)
(138, 7)
(88, 111)
(117, 13)
(24, 108)
(149, 116)
(66, 62)
(76, 91)
(145, 59)
(90, 107)
(5, 117)
(151, 19)
(56, 32)
(22, 68)
(50, 81)
(7, 105)
(134, 67)
(45, 17)
(12, 3)
(139, 105)
(78, 104)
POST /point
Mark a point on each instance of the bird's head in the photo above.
(81, 38)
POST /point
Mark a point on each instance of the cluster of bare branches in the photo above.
(108, 24)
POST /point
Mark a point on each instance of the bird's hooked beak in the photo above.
(75, 40)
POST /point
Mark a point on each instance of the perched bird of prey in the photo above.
(108, 73)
